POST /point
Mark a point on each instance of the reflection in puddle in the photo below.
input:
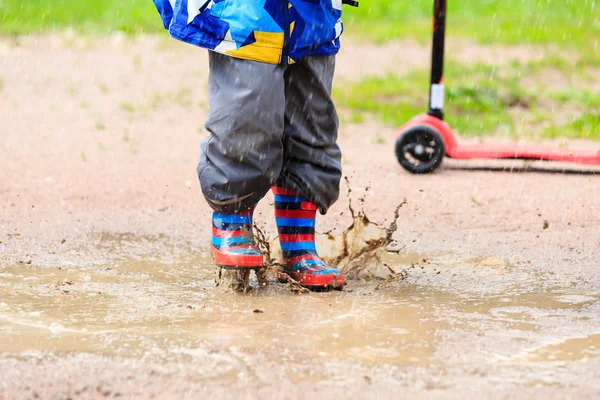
(168, 310)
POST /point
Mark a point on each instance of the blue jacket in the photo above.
(271, 31)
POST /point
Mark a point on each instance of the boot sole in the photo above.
(229, 261)
(317, 283)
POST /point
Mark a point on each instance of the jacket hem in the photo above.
(191, 36)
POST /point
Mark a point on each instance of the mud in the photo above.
(154, 308)
(168, 312)
(107, 288)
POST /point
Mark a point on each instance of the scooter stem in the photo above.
(436, 91)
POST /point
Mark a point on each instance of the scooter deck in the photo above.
(524, 152)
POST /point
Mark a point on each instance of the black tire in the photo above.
(420, 149)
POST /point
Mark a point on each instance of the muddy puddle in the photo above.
(166, 310)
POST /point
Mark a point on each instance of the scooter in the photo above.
(423, 141)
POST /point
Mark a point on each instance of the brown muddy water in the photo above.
(167, 310)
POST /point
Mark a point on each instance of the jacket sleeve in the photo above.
(165, 8)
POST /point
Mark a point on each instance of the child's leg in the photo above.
(295, 217)
(312, 158)
(242, 156)
(311, 169)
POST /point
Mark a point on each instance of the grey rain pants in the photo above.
(269, 125)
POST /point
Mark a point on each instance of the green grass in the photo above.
(483, 100)
(478, 99)
(586, 126)
(89, 16)
(587, 98)
(564, 22)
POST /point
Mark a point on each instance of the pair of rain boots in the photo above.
(233, 245)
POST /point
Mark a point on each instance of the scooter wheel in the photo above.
(420, 149)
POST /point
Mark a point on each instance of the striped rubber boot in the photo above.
(232, 244)
(295, 217)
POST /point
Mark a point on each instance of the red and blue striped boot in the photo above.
(232, 245)
(295, 217)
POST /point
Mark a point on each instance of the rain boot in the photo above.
(295, 217)
(233, 245)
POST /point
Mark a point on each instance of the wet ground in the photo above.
(106, 288)
(415, 331)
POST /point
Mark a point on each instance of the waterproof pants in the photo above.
(269, 125)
